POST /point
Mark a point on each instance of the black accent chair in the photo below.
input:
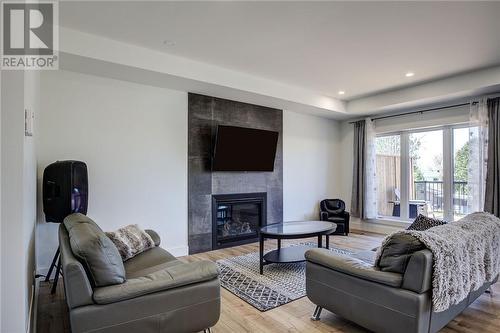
(333, 210)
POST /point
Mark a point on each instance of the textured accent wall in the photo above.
(204, 114)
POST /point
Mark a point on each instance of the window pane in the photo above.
(461, 153)
(388, 175)
(426, 174)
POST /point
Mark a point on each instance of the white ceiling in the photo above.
(362, 48)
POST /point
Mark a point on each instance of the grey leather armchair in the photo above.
(160, 294)
(379, 301)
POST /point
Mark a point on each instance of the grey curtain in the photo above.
(492, 195)
(358, 170)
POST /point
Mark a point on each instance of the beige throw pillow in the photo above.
(131, 240)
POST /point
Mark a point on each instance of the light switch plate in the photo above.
(29, 117)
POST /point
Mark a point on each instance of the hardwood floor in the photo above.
(238, 316)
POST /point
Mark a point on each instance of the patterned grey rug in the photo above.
(280, 283)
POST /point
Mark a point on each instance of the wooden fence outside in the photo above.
(388, 180)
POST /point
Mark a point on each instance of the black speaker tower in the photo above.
(65, 191)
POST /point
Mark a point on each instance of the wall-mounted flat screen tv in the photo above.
(244, 149)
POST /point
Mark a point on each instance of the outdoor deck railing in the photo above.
(432, 192)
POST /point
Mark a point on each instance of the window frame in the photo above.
(448, 169)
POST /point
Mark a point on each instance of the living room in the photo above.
(250, 167)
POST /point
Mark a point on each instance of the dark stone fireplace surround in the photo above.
(204, 114)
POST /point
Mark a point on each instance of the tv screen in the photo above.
(244, 149)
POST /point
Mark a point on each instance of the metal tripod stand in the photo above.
(57, 258)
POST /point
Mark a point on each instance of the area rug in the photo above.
(280, 284)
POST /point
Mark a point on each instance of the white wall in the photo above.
(310, 164)
(134, 140)
(13, 288)
(32, 103)
(19, 91)
(1, 216)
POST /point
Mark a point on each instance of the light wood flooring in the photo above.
(238, 316)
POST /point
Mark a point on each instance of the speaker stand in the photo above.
(56, 259)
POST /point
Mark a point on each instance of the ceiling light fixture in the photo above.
(341, 92)
(409, 74)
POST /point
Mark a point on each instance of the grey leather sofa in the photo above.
(379, 301)
(160, 294)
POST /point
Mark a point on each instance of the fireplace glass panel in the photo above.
(237, 221)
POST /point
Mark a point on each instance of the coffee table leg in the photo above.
(320, 241)
(328, 241)
(261, 254)
(279, 244)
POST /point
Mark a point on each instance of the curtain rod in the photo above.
(419, 111)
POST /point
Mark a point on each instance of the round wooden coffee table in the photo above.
(292, 230)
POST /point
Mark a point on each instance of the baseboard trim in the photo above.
(33, 309)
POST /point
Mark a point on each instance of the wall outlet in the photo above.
(29, 119)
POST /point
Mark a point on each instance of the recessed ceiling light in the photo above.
(409, 74)
(341, 92)
(168, 42)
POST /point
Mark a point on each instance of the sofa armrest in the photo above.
(154, 235)
(353, 266)
(77, 286)
(418, 273)
(168, 278)
(323, 216)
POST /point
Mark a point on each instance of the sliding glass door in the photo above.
(423, 172)
(426, 174)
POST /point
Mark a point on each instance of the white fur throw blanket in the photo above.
(466, 255)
